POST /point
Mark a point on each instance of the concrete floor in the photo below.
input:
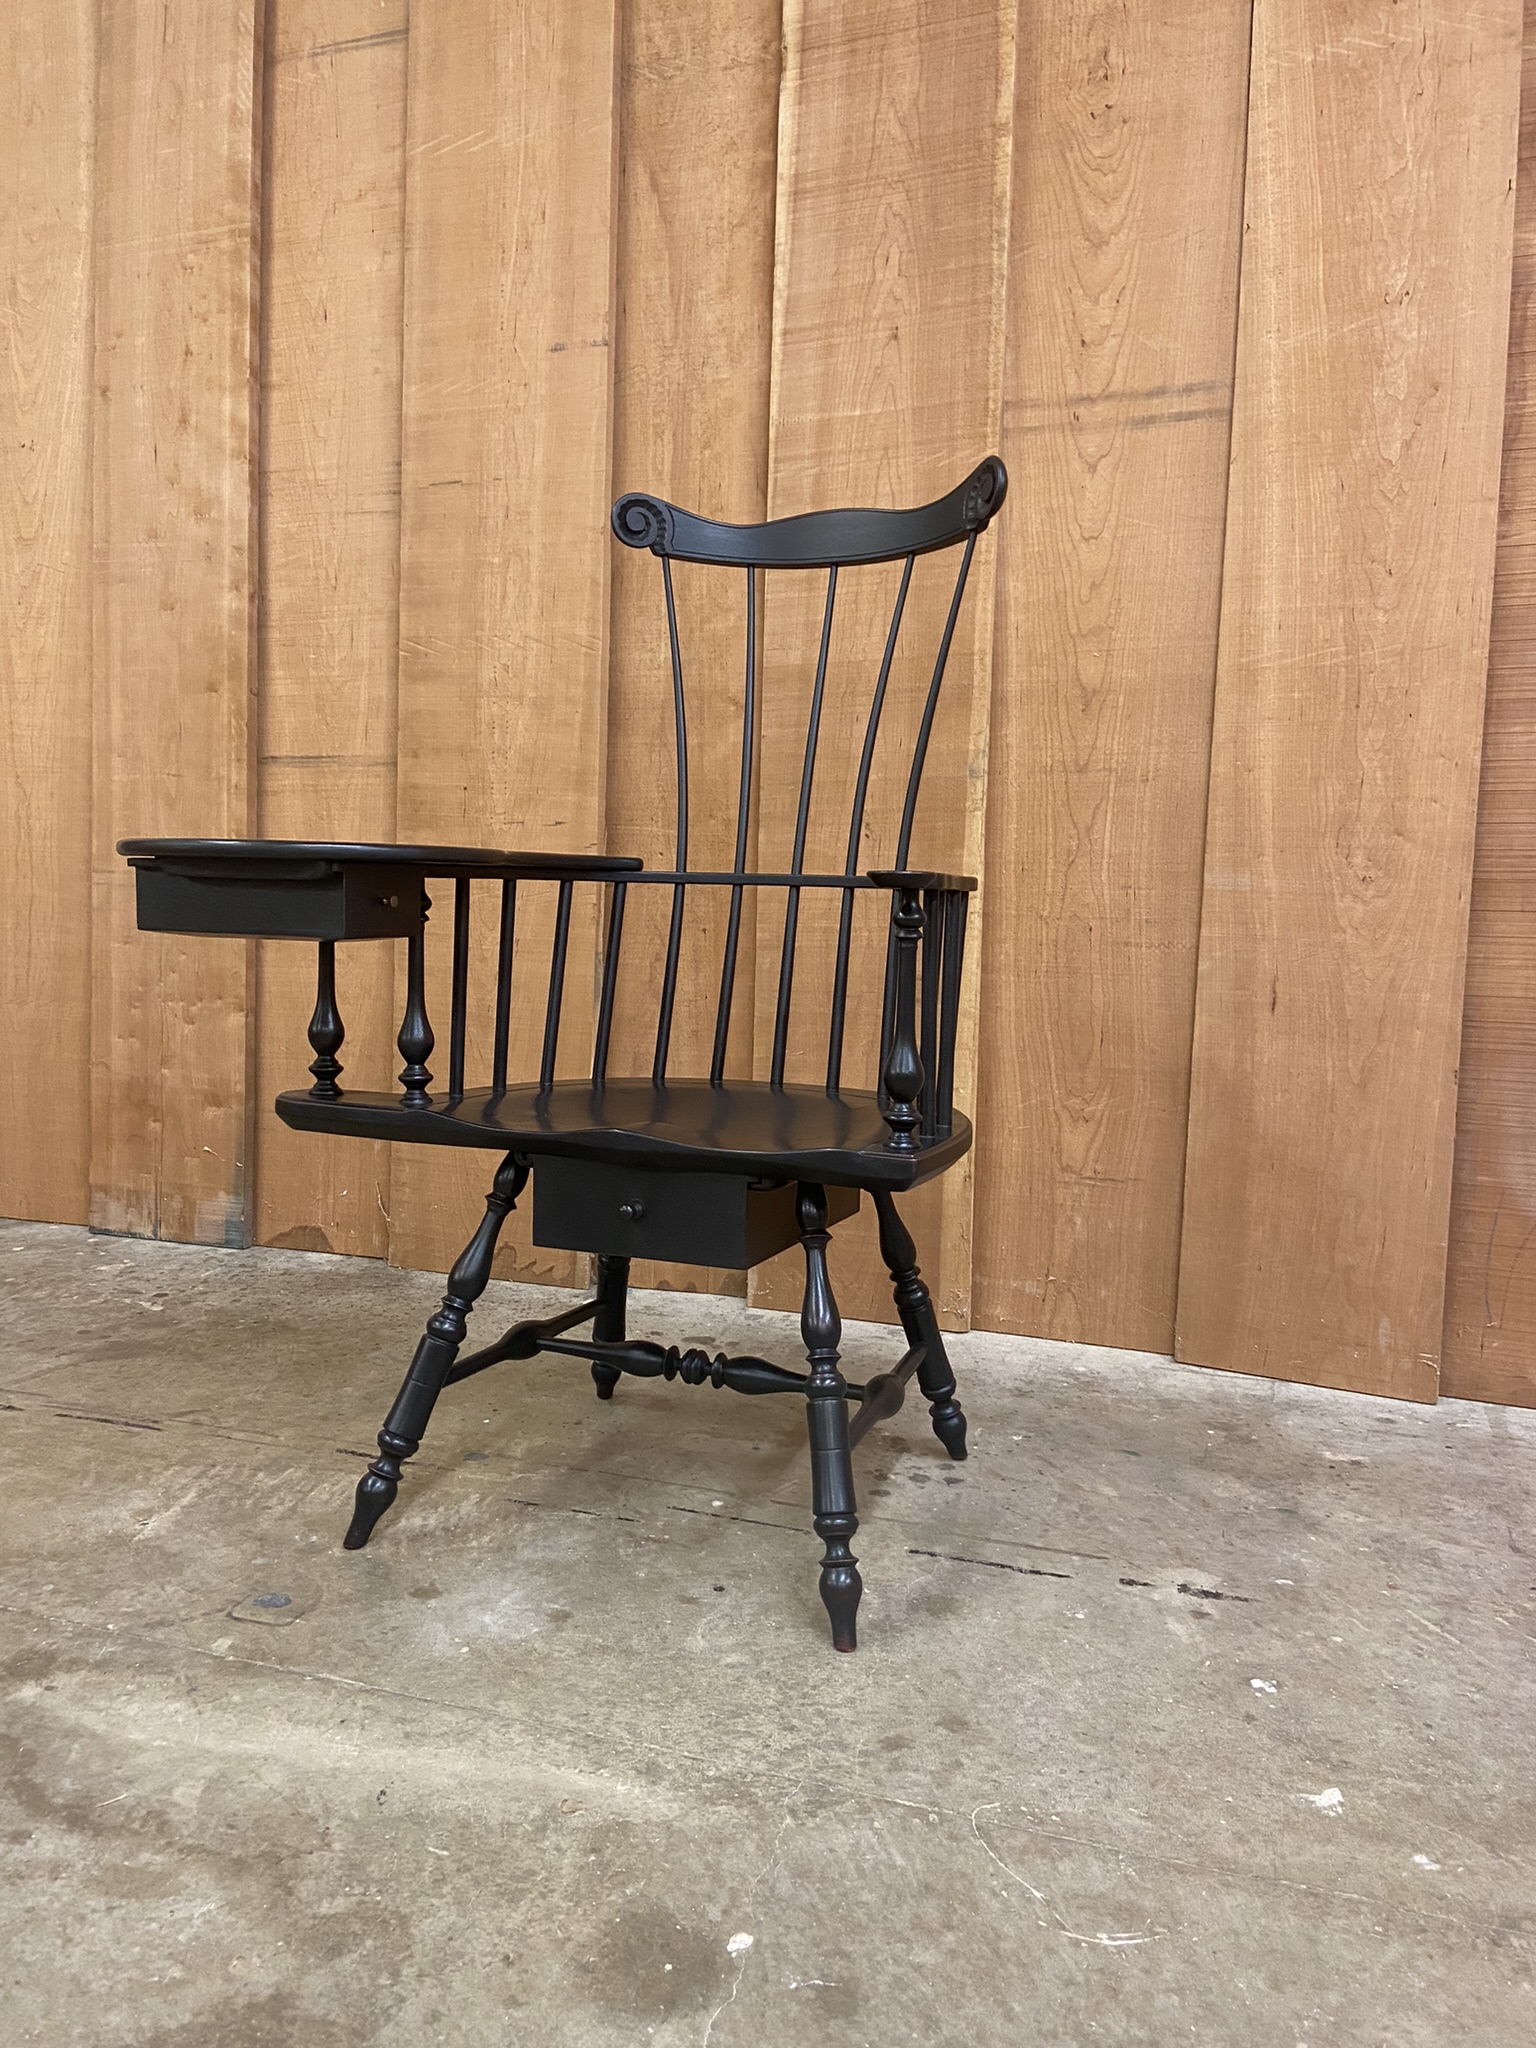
(1191, 1709)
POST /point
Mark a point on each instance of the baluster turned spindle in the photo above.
(416, 1041)
(326, 1030)
(903, 1075)
(887, 1009)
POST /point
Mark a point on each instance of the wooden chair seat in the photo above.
(742, 1127)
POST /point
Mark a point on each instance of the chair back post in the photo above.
(612, 945)
(506, 936)
(957, 905)
(680, 863)
(856, 833)
(556, 997)
(459, 1001)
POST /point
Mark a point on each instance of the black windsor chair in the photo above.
(708, 1171)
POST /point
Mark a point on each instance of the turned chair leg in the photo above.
(608, 1323)
(400, 1438)
(832, 1496)
(915, 1307)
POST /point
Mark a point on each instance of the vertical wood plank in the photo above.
(47, 112)
(893, 182)
(505, 491)
(1354, 645)
(1128, 177)
(691, 377)
(175, 432)
(1490, 1307)
(329, 616)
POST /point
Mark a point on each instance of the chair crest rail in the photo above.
(815, 540)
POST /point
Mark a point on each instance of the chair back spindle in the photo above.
(930, 706)
(612, 944)
(505, 939)
(558, 952)
(679, 891)
(802, 826)
(743, 817)
(459, 1001)
(856, 832)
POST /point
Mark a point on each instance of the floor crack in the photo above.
(746, 1939)
(1092, 1940)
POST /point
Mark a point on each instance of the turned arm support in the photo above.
(922, 1002)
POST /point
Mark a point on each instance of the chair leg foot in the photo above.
(915, 1307)
(608, 1325)
(401, 1436)
(949, 1428)
(376, 1492)
(841, 1586)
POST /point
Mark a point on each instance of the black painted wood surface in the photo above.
(717, 1170)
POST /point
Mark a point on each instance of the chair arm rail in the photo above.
(922, 878)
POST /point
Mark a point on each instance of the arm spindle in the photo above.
(935, 927)
(903, 1074)
(949, 1009)
(416, 1041)
(326, 1030)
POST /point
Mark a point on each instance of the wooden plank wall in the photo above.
(455, 280)
(47, 176)
(1490, 1305)
(176, 245)
(1128, 174)
(506, 482)
(330, 565)
(894, 136)
(690, 424)
(1349, 694)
